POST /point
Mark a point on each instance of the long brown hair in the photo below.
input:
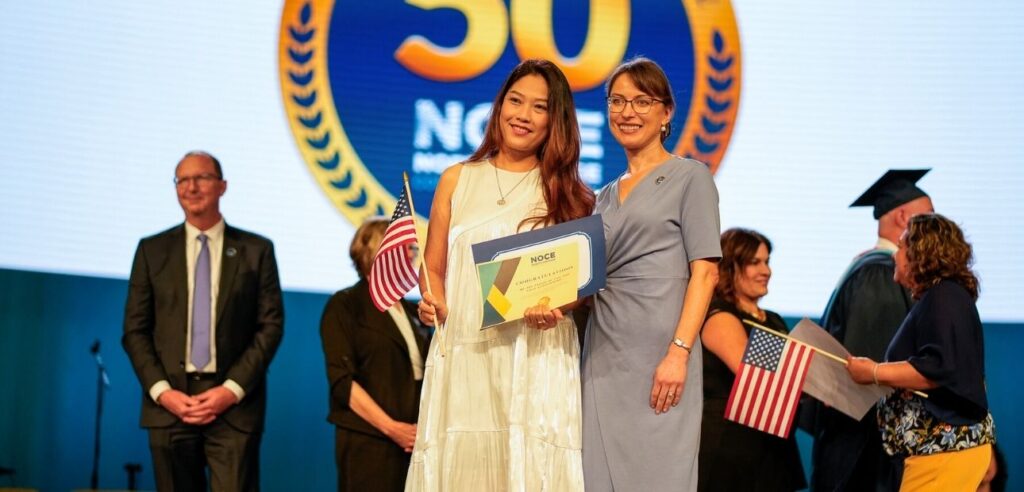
(739, 247)
(565, 193)
(649, 78)
(937, 250)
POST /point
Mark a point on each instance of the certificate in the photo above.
(546, 276)
(554, 266)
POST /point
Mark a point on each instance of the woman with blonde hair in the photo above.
(374, 373)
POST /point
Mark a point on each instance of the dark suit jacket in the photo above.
(364, 345)
(249, 323)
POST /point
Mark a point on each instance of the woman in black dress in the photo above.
(733, 456)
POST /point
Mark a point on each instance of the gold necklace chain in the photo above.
(501, 201)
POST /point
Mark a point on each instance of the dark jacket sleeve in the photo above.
(949, 351)
(250, 367)
(336, 337)
(935, 340)
(139, 322)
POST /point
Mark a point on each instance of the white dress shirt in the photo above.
(886, 245)
(397, 313)
(215, 243)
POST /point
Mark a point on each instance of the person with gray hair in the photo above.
(202, 322)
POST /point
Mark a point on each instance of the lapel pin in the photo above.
(659, 180)
(231, 252)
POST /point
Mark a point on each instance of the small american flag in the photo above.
(392, 274)
(767, 388)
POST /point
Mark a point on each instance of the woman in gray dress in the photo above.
(642, 392)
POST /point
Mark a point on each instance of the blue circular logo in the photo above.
(373, 90)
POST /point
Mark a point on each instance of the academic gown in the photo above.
(866, 309)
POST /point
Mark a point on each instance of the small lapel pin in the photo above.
(659, 180)
(231, 252)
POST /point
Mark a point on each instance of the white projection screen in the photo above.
(100, 99)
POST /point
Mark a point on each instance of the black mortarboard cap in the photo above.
(894, 188)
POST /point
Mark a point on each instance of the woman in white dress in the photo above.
(500, 408)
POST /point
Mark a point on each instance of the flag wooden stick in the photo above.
(787, 337)
(812, 347)
(426, 275)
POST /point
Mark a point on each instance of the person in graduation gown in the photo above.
(642, 394)
(863, 314)
(945, 437)
(374, 371)
(769, 463)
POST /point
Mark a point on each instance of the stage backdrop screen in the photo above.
(315, 108)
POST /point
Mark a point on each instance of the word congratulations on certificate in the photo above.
(552, 266)
(542, 277)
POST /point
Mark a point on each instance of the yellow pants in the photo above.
(949, 471)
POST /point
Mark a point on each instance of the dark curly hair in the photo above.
(936, 250)
(739, 247)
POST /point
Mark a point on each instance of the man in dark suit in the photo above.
(202, 322)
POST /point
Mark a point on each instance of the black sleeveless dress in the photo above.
(733, 456)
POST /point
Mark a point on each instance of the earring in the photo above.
(662, 128)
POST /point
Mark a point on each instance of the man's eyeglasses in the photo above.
(200, 179)
(641, 104)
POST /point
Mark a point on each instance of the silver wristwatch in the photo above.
(678, 342)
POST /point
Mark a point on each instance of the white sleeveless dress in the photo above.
(501, 410)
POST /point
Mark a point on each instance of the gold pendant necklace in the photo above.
(501, 201)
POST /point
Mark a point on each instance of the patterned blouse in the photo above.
(942, 339)
(908, 429)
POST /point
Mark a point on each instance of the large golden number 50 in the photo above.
(532, 35)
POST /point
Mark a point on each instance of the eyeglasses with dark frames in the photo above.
(641, 104)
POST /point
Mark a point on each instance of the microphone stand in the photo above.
(132, 469)
(101, 381)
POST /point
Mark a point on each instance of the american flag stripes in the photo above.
(392, 274)
(767, 388)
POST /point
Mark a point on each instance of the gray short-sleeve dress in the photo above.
(668, 220)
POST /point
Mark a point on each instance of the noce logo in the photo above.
(372, 89)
